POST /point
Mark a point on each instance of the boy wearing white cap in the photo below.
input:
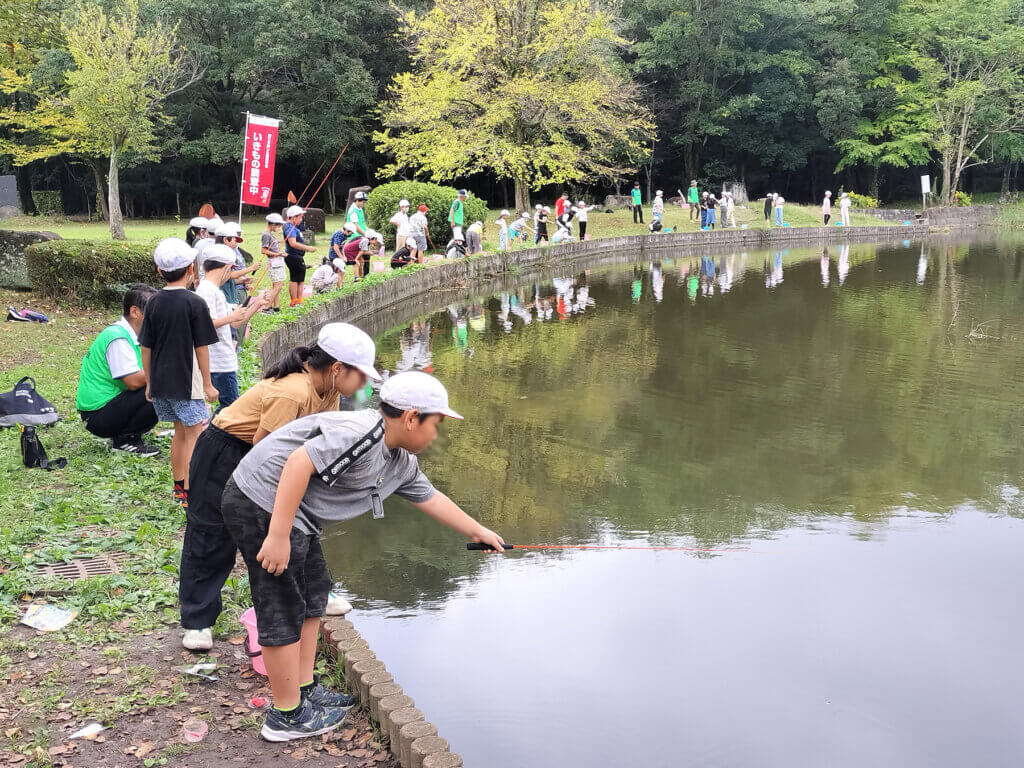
(327, 468)
(401, 222)
(175, 341)
(295, 254)
(218, 264)
(270, 247)
(307, 380)
(502, 223)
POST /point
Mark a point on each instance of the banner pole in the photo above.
(241, 188)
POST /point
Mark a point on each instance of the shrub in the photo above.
(87, 272)
(863, 201)
(48, 203)
(383, 202)
(961, 198)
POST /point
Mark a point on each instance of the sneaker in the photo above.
(198, 639)
(135, 445)
(13, 314)
(325, 697)
(180, 496)
(308, 720)
(337, 605)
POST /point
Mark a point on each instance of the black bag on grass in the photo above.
(34, 455)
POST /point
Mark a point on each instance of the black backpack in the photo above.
(24, 407)
(34, 455)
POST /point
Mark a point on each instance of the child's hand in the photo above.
(274, 554)
(148, 398)
(490, 538)
(211, 393)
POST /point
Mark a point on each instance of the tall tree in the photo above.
(532, 91)
(123, 73)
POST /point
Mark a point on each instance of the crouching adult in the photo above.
(112, 385)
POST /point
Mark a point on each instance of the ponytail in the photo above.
(296, 361)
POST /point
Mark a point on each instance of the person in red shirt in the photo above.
(560, 204)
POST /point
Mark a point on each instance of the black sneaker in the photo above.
(137, 446)
(325, 697)
(308, 720)
(13, 314)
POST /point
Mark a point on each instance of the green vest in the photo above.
(636, 196)
(455, 213)
(692, 195)
(96, 386)
(360, 218)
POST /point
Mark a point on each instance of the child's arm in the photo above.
(241, 315)
(446, 511)
(277, 547)
(144, 353)
(203, 359)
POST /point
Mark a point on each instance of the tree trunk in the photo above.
(946, 195)
(522, 195)
(101, 188)
(28, 205)
(114, 199)
(873, 183)
(1004, 189)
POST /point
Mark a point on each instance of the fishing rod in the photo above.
(331, 170)
(481, 547)
(311, 180)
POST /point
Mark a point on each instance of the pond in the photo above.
(837, 433)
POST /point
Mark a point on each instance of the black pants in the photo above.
(638, 211)
(208, 552)
(583, 230)
(129, 414)
(827, 217)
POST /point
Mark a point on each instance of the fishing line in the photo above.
(480, 547)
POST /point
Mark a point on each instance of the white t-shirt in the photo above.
(844, 204)
(581, 212)
(223, 358)
(401, 222)
(121, 355)
(418, 224)
(826, 205)
(779, 201)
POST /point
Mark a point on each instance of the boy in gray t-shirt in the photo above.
(323, 468)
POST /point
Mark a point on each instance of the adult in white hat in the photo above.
(327, 468)
(658, 206)
(844, 209)
(270, 247)
(295, 250)
(307, 380)
(401, 223)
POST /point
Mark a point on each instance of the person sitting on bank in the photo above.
(111, 384)
(405, 255)
(456, 248)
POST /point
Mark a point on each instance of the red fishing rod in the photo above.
(480, 547)
(311, 197)
(311, 180)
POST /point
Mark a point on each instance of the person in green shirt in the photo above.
(457, 213)
(693, 198)
(638, 211)
(112, 385)
(356, 217)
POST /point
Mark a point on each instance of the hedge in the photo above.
(383, 202)
(87, 272)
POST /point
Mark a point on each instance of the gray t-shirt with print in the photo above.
(339, 490)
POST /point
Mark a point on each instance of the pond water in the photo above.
(844, 430)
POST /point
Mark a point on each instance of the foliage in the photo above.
(961, 198)
(529, 91)
(862, 201)
(383, 202)
(88, 272)
(48, 202)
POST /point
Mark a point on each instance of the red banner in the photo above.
(258, 162)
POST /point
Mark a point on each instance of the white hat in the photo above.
(201, 222)
(213, 223)
(338, 264)
(350, 345)
(173, 253)
(349, 227)
(372, 234)
(504, 212)
(526, 215)
(220, 253)
(417, 391)
(659, 193)
(403, 203)
(294, 210)
(229, 229)
(459, 239)
(581, 204)
(828, 193)
(361, 196)
(274, 218)
(547, 209)
(844, 194)
(539, 207)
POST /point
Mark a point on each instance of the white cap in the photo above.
(350, 345)
(417, 391)
(844, 194)
(581, 204)
(361, 196)
(338, 264)
(403, 203)
(349, 227)
(220, 253)
(199, 221)
(659, 193)
(526, 215)
(373, 234)
(547, 209)
(828, 193)
(539, 207)
(274, 218)
(213, 223)
(228, 229)
(504, 212)
(294, 210)
(173, 253)
(459, 239)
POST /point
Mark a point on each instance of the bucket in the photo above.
(380, 266)
(252, 641)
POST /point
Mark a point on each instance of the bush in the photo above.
(862, 201)
(961, 198)
(87, 272)
(48, 203)
(383, 203)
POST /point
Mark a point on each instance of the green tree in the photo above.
(123, 73)
(532, 91)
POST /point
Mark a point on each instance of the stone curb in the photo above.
(410, 738)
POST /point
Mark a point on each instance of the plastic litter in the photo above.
(204, 670)
(47, 618)
(258, 702)
(91, 731)
(252, 640)
(194, 730)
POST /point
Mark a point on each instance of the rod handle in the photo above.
(475, 546)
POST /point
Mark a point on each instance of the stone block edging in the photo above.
(362, 305)
(389, 707)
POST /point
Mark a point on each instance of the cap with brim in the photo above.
(503, 213)
(220, 253)
(372, 234)
(360, 196)
(403, 203)
(417, 391)
(229, 229)
(200, 222)
(463, 193)
(338, 264)
(350, 345)
(173, 253)
(423, 208)
(213, 223)
(294, 210)
(274, 218)
(349, 227)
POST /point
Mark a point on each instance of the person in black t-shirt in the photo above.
(175, 337)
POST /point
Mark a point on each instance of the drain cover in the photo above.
(83, 568)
